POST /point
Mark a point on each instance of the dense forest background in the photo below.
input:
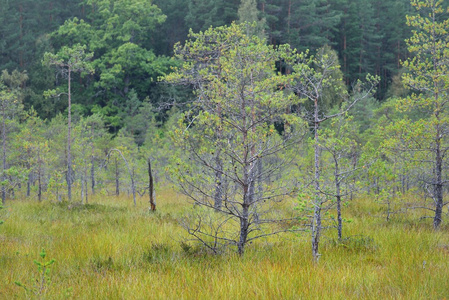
(368, 36)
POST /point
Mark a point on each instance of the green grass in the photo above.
(113, 250)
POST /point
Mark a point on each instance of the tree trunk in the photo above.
(92, 163)
(289, 16)
(345, 58)
(259, 179)
(82, 189)
(338, 197)
(151, 187)
(361, 54)
(316, 232)
(117, 179)
(244, 225)
(316, 222)
(29, 185)
(39, 187)
(51, 10)
(69, 141)
(30, 175)
(244, 221)
(85, 184)
(438, 181)
(218, 196)
(4, 153)
(131, 176)
(21, 63)
(340, 220)
(246, 186)
(133, 186)
(253, 196)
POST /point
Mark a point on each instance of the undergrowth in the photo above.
(112, 250)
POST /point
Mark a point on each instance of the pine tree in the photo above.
(273, 13)
(311, 24)
(428, 75)
(69, 60)
(174, 29)
(229, 129)
(359, 40)
(11, 96)
(205, 13)
(249, 13)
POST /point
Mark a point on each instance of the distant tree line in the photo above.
(133, 43)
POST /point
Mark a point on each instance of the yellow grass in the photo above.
(113, 250)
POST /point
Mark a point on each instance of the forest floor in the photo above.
(112, 250)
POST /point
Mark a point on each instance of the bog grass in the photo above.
(112, 250)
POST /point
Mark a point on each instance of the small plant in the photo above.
(41, 282)
(197, 250)
(101, 265)
(354, 244)
(158, 252)
(186, 248)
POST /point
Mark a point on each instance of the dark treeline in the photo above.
(367, 34)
